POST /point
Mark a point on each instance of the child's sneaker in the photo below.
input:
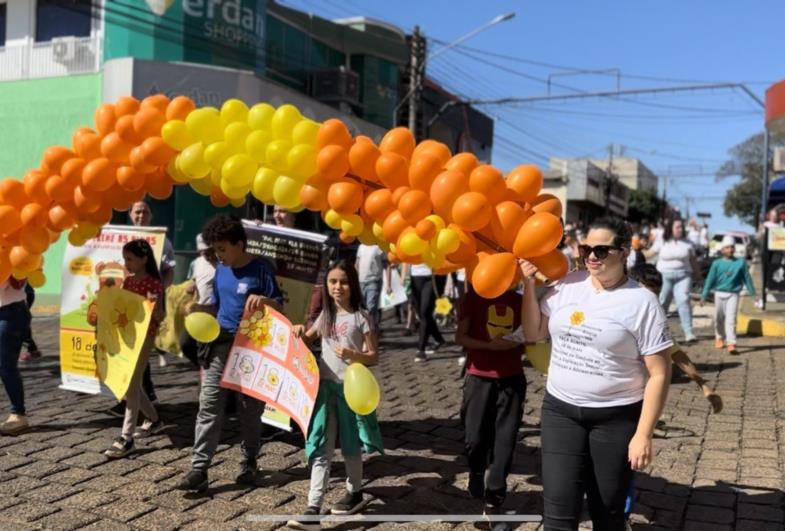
(420, 357)
(195, 480)
(306, 525)
(349, 504)
(732, 350)
(719, 343)
(120, 448)
(148, 429)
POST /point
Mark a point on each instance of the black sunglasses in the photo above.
(600, 251)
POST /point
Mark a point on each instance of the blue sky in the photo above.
(686, 135)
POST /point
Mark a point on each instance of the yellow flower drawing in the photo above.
(310, 363)
(577, 318)
(118, 313)
(443, 306)
(257, 329)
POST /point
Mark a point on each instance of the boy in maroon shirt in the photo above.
(493, 393)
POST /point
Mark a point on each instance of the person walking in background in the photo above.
(727, 276)
(679, 267)
(202, 273)
(14, 324)
(371, 265)
(426, 288)
(32, 353)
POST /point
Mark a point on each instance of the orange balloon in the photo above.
(425, 229)
(471, 211)
(414, 205)
(88, 145)
(179, 108)
(362, 159)
(137, 160)
(553, 265)
(334, 132)
(5, 270)
(525, 180)
(446, 188)
(12, 192)
(24, 260)
(393, 225)
(494, 274)
(35, 187)
(35, 240)
(129, 178)
(333, 162)
(125, 105)
(218, 198)
(345, 197)
(72, 170)
(313, 198)
(87, 201)
(472, 263)
(156, 101)
(506, 221)
(59, 189)
(149, 121)
(56, 156)
(379, 204)
(105, 119)
(100, 217)
(539, 234)
(462, 162)
(399, 141)
(60, 219)
(488, 180)
(393, 258)
(423, 170)
(125, 128)
(398, 193)
(547, 203)
(158, 184)
(393, 170)
(99, 175)
(33, 215)
(10, 220)
(119, 198)
(467, 250)
(156, 151)
(435, 149)
(346, 238)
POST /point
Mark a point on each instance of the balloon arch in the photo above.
(417, 201)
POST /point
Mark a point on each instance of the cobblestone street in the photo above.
(711, 472)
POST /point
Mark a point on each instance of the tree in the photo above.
(644, 205)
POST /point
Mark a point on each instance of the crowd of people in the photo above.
(607, 382)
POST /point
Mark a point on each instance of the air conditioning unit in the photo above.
(335, 85)
(64, 49)
(779, 160)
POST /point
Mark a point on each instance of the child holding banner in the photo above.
(241, 282)
(347, 337)
(145, 280)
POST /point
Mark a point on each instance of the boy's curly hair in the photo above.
(224, 227)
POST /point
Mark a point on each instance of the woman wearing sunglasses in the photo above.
(607, 381)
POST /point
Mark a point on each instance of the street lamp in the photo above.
(415, 78)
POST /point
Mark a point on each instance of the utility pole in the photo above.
(416, 73)
(609, 181)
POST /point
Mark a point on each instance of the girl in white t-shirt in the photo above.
(678, 266)
(607, 380)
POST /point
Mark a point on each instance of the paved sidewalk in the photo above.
(712, 472)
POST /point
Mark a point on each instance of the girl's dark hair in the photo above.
(667, 234)
(142, 249)
(647, 276)
(622, 233)
(223, 227)
(355, 296)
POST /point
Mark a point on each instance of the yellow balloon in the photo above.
(239, 170)
(412, 244)
(301, 161)
(235, 135)
(233, 110)
(234, 192)
(18, 274)
(202, 186)
(256, 144)
(76, 239)
(202, 326)
(175, 134)
(237, 203)
(366, 236)
(360, 389)
(36, 279)
(447, 241)
(286, 192)
(175, 172)
(263, 182)
(261, 116)
(352, 225)
(87, 230)
(437, 221)
(276, 154)
(539, 355)
(216, 154)
(378, 231)
(333, 219)
(192, 161)
(215, 177)
(305, 132)
(205, 124)
(284, 119)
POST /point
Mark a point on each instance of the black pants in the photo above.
(190, 348)
(424, 295)
(584, 450)
(28, 336)
(492, 411)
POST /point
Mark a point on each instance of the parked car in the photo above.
(742, 247)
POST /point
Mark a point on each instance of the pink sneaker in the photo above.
(33, 355)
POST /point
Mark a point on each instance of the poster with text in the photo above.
(268, 363)
(96, 265)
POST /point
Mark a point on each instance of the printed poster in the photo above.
(397, 293)
(87, 270)
(268, 363)
(123, 319)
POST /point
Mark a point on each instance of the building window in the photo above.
(3, 22)
(62, 18)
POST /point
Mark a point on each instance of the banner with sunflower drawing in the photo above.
(268, 363)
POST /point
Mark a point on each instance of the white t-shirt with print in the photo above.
(674, 255)
(349, 331)
(421, 270)
(370, 263)
(597, 339)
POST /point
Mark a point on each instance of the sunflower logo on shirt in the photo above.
(577, 318)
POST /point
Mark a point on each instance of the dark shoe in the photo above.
(247, 475)
(306, 525)
(420, 357)
(120, 448)
(148, 429)
(477, 484)
(349, 504)
(432, 349)
(194, 480)
(118, 410)
(496, 511)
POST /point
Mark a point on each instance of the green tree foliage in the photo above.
(644, 205)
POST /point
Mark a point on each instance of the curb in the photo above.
(757, 326)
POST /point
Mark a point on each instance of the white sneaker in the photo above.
(162, 360)
(462, 361)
